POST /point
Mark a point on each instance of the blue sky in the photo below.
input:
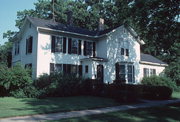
(8, 12)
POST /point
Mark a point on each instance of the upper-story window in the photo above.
(29, 45)
(74, 46)
(58, 44)
(89, 48)
(125, 52)
(17, 48)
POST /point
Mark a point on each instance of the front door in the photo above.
(100, 73)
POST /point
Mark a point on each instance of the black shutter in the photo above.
(79, 45)
(85, 48)
(69, 45)
(53, 44)
(51, 67)
(27, 46)
(94, 49)
(80, 70)
(64, 44)
(117, 71)
(30, 44)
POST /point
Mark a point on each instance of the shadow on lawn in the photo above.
(166, 113)
(52, 105)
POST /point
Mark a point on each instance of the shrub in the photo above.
(14, 80)
(159, 81)
(57, 85)
(123, 92)
(156, 92)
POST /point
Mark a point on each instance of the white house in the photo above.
(47, 46)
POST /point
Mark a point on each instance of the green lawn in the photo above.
(157, 114)
(17, 107)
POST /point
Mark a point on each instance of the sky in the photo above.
(8, 12)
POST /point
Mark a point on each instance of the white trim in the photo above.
(151, 63)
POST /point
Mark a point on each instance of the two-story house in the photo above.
(47, 46)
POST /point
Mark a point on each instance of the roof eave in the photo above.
(151, 63)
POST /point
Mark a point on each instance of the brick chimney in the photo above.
(69, 17)
(101, 24)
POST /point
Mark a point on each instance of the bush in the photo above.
(156, 92)
(58, 85)
(123, 92)
(159, 81)
(173, 71)
(14, 80)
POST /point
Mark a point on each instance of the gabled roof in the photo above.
(145, 58)
(68, 28)
(55, 26)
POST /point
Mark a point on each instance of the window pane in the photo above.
(129, 69)
(130, 78)
(122, 69)
(122, 51)
(58, 44)
(58, 67)
(74, 48)
(127, 52)
(89, 48)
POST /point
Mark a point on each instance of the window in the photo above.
(122, 72)
(58, 44)
(130, 73)
(16, 52)
(29, 67)
(125, 72)
(86, 69)
(74, 46)
(122, 51)
(66, 69)
(89, 48)
(146, 72)
(127, 52)
(154, 71)
(149, 72)
(56, 68)
(29, 44)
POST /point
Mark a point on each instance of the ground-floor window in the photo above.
(125, 72)
(148, 72)
(66, 69)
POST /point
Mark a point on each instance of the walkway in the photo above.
(61, 115)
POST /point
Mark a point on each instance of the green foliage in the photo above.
(173, 71)
(14, 80)
(159, 81)
(57, 84)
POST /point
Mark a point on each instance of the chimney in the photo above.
(69, 17)
(101, 24)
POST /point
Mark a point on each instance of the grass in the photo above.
(164, 114)
(10, 106)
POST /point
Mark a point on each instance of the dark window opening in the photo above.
(122, 51)
(86, 69)
(29, 44)
(127, 52)
(17, 48)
